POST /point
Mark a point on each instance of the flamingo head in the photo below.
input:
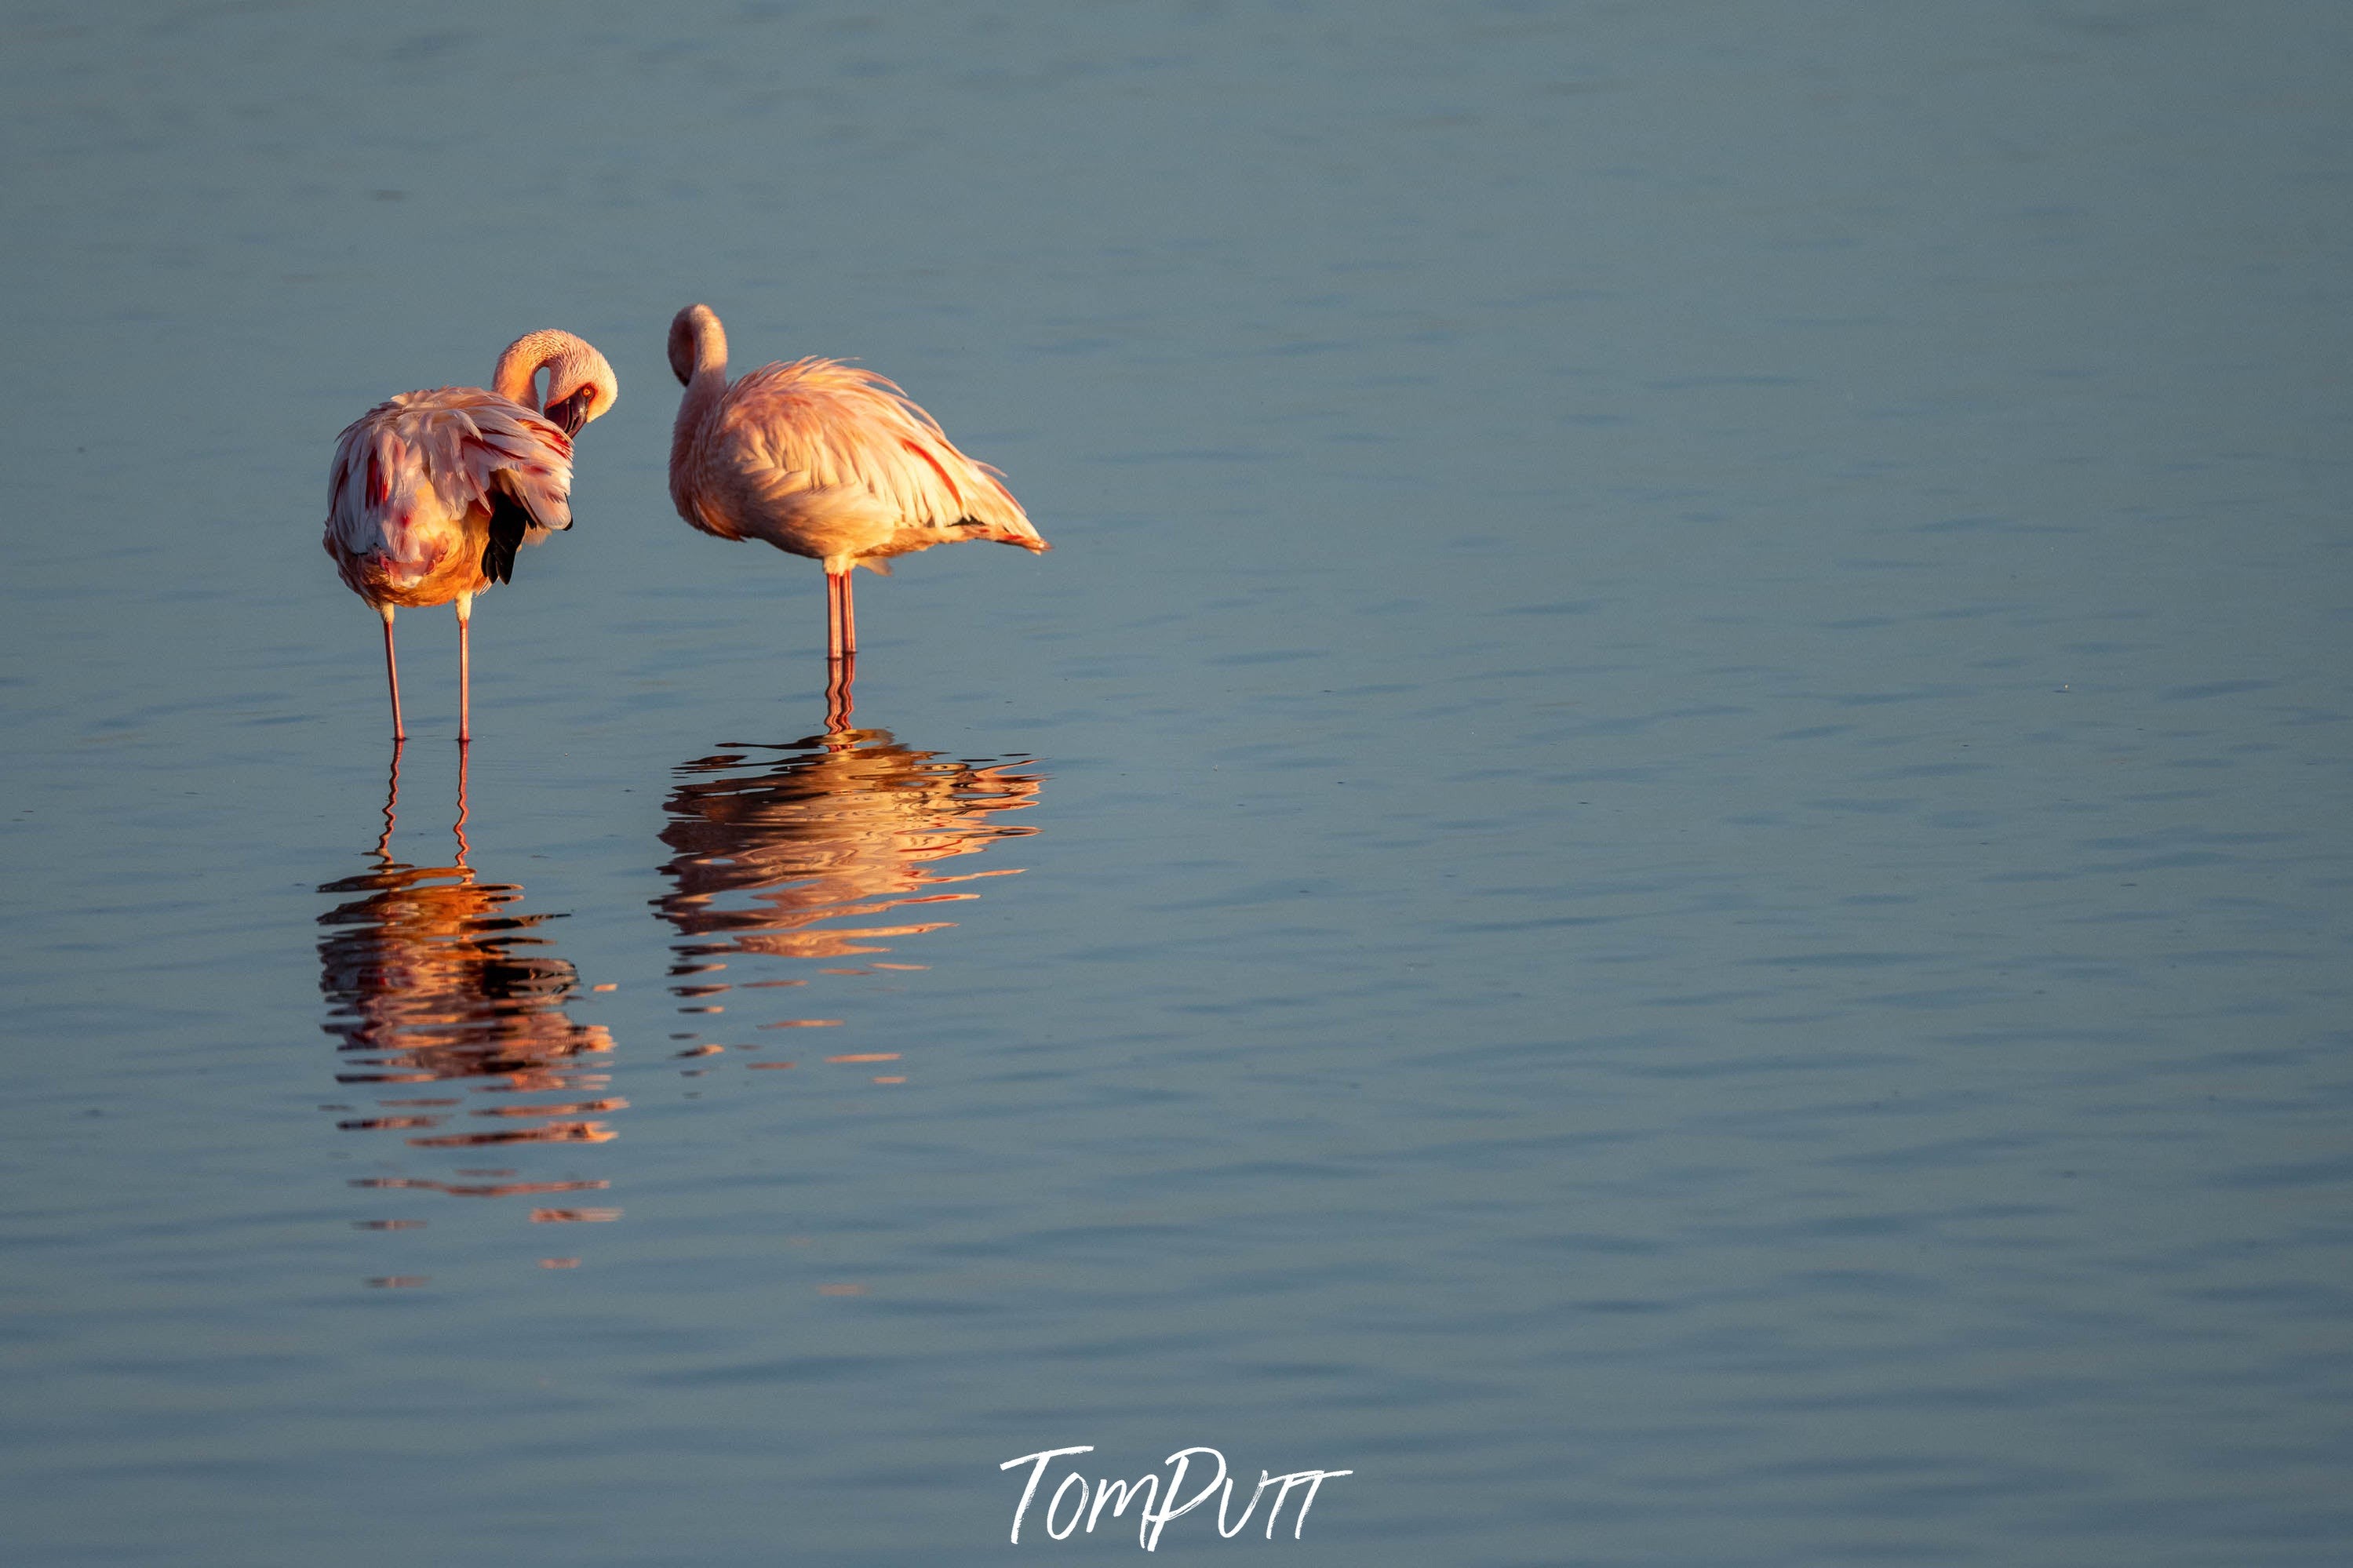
(580, 384)
(697, 341)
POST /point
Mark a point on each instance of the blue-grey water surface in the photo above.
(1663, 860)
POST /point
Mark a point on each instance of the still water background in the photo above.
(1678, 788)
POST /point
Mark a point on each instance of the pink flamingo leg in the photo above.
(465, 668)
(392, 675)
(840, 649)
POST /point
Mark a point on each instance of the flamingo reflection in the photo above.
(808, 850)
(432, 979)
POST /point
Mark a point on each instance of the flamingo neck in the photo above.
(696, 410)
(525, 358)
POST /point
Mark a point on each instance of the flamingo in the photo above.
(432, 491)
(823, 459)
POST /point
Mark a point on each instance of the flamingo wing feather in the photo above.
(817, 441)
(414, 467)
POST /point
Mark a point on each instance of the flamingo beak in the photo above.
(571, 413)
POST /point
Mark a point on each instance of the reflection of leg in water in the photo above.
(458, 827)
(437, 990)
(383, 850)
(839, 674)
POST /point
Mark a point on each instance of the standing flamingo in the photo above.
(432, 491)
(823, 459)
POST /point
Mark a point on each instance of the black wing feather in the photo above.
(509, 521)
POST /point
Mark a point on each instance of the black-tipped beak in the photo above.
(571, 413)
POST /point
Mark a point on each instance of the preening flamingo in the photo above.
(823, 459)
(432, 491)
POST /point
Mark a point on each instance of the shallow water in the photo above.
(1661, 862)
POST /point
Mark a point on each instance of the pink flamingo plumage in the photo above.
(825, 460)
(432, 491)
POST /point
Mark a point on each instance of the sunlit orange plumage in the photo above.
(432, 491)
(825, 461)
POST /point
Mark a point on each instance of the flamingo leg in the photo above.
(840, 649)
(465, 668)
(392, 678)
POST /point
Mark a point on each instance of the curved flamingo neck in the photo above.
(525, 358)
(572, 364)
(697, 407)
(708, 383)
(710, 343)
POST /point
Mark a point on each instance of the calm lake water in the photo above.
(1663, 861)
